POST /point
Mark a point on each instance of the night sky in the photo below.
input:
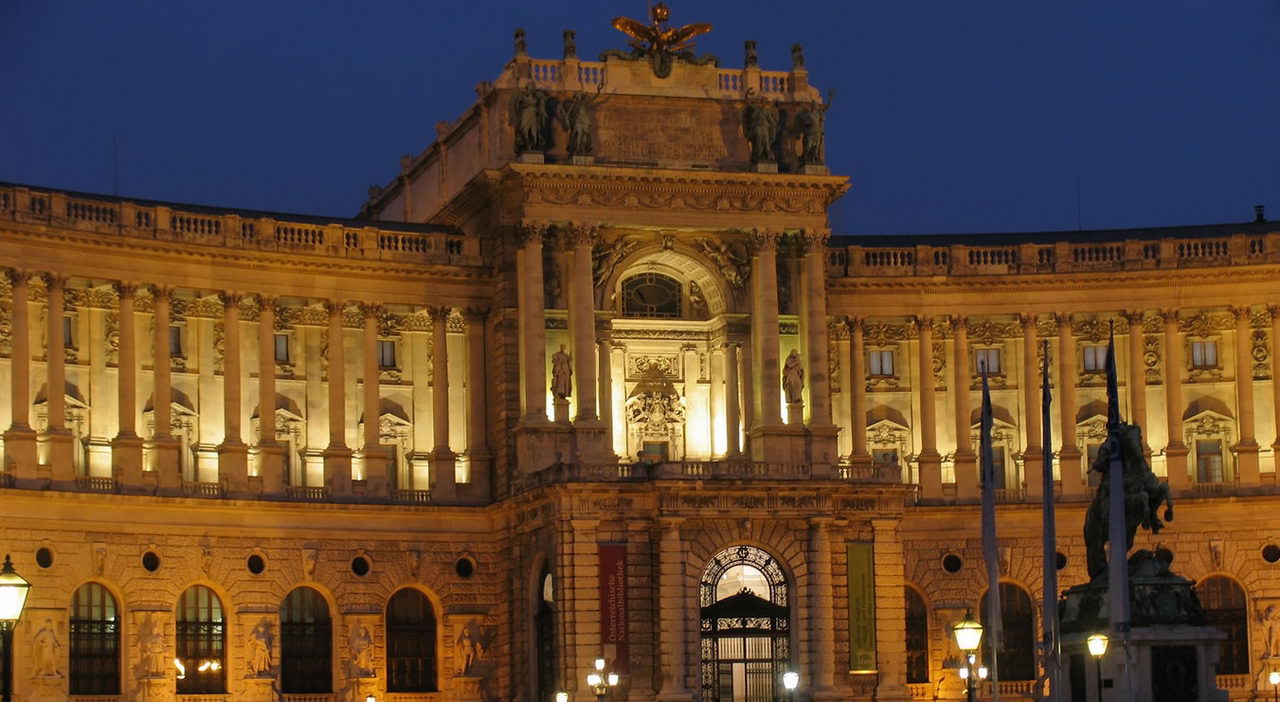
(949, 116)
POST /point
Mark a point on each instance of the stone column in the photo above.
(858, 393)
(1175, 452)
(764, 330)
(583, 586)
(815, 312)
(1073, 482)
(60, 440)
(674, 610)
(533, 345)
(1274, 311)
(582, 321)
(443, 459)
(1247, 447)
(1137, 372)
(164, 446)
(966, 459)
(270, 452)
(126, 447)
(715, 360)
(732, 400)
(337, 455)
(604, 352)
(479, 460)
(20, 438)
(375, 461)
(1033, 457)
(822, 648)
(233, 453)
(929, 460)
(891, 611)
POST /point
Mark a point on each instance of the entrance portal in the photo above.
(746, 633)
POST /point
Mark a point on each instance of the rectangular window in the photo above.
(68, 339)
(881, 362)
(386, 354)
(988, 360)
(1095, 358)
(175, 341)
(1204, 354)
(282, 348)
(997, 464)
(1091, 454)
(1209, 461)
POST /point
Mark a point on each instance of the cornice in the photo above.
(1058, 282)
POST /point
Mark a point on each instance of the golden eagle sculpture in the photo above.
(660, 42)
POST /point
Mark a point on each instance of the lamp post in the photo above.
(601, 682)
(790, 681)
(1098, 648)
(562, 697)
(13, 597)
(1274, 678)
(968, 633)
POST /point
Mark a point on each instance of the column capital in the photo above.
(530, 230)
(1273, 311)
(670, 526)
(370, 310)
(1028, 320)
(922, 323)
(161, 292)
(1169, 316)
(820, 524)
(816, 238)
(54, 281)
(1064, 319)
(125, 289)
(856, 324)
(763, 241)
(579, 233)
(439, 313)
(266, 302)
(230, 299)
(1240, 312)
(17, 276)
(1134, 317)
(960, 323)
(334, 308)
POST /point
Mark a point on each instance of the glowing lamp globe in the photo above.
(1274, 677)
(1097, 645)
(968, 633)
(370, 698)
(982, 672)
(593, 679)
(562, 697)
(13, 594)
(613, 679)
(964, 673)
(790, 679)
(599, 664)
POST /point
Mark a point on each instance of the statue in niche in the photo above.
(466, 651)
(361, 652)
(258, 650)
(1270, 619)
(151, 644)
(574, 114)
(45, 652)
(760, 120)
(811, 121)
(793, 377)
(100, 558)
(309, 558)
(529, 116)
(697, 302)
(561, 374)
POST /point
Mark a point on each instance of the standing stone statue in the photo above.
(760, 121)
(811, 122)
(752, 57)
(529, 115)
(151, 644)
(44, 652)
(465, 651)
(570, 44)
(259, 651)
(561, 374)
(574, 114)
(521, 47)
(797, 56)
(793, 377)
(1271, 620)
(361, 652)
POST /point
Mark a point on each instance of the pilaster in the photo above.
(1175, 451)
(1247, 447)
(966, 460)
(1033, 457)
(1069, 467)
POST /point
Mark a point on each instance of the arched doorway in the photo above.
(544, 632)
(1225, 607)
(746, 626)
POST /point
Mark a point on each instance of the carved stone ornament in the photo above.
(258, 651)
(605, 256)
(46, 652)
(1261, 354)
(309, 558)
(729, 258)
(360, 647)
(151, 649)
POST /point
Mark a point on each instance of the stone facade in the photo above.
(426, 432)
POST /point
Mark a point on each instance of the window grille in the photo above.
(1017, 658)
(201, 642)
(94, 651)
(411, 643)
(306, 643)
(917, 638)
(1224, 607)
(651, 295)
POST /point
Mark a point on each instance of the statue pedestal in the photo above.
(532, 157)
(259, 689)
(764, 167)
(582, 160)
(560, 411)
(466, 688)
(795, 414)
(813, 169)
(1171, 653)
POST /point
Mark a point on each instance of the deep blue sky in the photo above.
(950, 116)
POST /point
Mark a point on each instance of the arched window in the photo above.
(917, 638)
(1224, 607)
(746, 626)
(544, 630)
(201, 639)
(651, 294)
(1018, 654)
(306, 643)
(411, 643)
(94, 650)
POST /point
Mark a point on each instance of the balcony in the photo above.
(306, 493)
(91, 484)
(195, 489)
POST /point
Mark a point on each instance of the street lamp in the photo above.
(370, 698)
(790, 681)
(968, 633)
(1274, 678)
(562, 697)
(1098, 648)
(600, 681)
(13, 596)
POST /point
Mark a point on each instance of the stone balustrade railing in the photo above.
(571, 74)
(1062, 257)
(116, 218)
(698, 470)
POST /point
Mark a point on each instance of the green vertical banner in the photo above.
(862, 608)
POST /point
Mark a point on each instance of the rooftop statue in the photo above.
(811, 123)
(574, 114)
(1143, 494)
(529, 116)
(660, 43)
(760, 122)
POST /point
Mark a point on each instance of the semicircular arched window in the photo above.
(95, 642)
(746, 626)
(651, 294)
(306, 643)
(917, 637)
(1224, 607)
(202, 642)
(411, 643)
(1017, 659)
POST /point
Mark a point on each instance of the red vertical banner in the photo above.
(613, 606)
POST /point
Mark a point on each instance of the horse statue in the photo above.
(1143, 495)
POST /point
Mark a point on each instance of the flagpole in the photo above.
(990, 550)
(1118, 558)
(1052, 650)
